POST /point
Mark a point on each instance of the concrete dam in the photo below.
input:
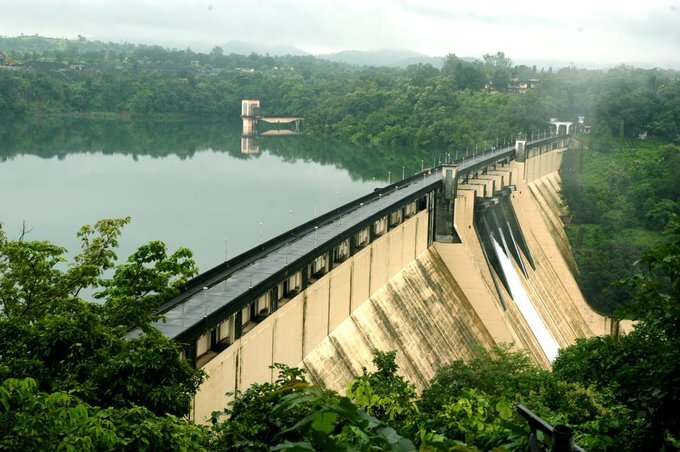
(471, 253)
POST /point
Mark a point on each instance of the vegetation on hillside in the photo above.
(621, 201)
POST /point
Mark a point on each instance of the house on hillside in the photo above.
(521, 86)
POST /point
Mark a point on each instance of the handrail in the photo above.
(562, 435)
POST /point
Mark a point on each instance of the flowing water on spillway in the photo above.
(526, 307)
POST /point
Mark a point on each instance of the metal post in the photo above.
(205, 302)
(562, 438)
(389, 177)
(403, 172)
(225, 250)
(290, 221)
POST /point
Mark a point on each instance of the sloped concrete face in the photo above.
(550, 285)
(422, 313)
(445, 305)
(301, 327)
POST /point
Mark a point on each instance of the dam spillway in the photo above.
(444, 305)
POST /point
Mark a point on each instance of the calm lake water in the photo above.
(183, 182)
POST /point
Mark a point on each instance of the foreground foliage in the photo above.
(641, 370)
(73, 379)
(291, 414)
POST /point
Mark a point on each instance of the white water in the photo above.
(526, 307)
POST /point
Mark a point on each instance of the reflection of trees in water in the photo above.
(362, 162)
(49, 137)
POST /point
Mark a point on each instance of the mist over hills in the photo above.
(388, 57)
(383, 57)
(246, 48)
(393, 57)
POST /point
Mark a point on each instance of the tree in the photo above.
(499, 60)
(149, 278)
(463, 74)
(67, 344)
(291, 414)
(35, 420)
(472, 401)
(216, 52)
(498, 70)
(641, 369)
(384, 394)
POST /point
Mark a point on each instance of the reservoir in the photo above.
(185, 182)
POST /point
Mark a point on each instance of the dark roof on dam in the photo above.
(292, 251)
(234, 284)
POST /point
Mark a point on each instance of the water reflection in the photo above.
(49, 137)
(185, 182)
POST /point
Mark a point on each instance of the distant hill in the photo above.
(246, 48)
(383, 57)
(40, 44)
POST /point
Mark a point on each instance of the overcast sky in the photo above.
(644, 33)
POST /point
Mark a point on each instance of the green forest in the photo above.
(72, 378)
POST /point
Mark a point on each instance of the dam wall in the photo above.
(299, 326)
(545, 271)
(421, 312)
(449, 302)
(431, 302)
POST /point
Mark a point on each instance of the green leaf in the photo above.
(325, 422)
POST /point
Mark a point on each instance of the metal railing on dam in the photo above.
(306, 252)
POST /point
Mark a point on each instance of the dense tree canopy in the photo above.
(71, 375)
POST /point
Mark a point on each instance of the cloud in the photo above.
(581, 30)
